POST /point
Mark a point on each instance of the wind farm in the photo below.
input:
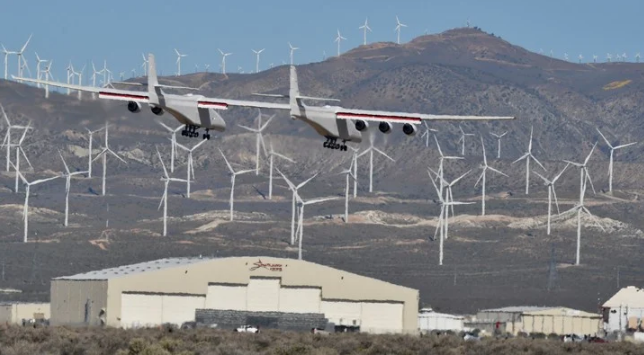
(260, 188)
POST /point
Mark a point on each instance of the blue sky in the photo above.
(119, 31)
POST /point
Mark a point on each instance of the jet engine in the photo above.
(133, 106)
(385, 127)
(156, 110)
(409, 129)
(361, 125)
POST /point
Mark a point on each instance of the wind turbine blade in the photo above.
(283, 157)
(64, 163)
(459, 178)
(479, 179)
(440, 152)
(560, 173)
(624, 145)
(198, 145)
(306, 181)
(542, 177)
(22, 152)
(226, 160)
(554, 194)
(116, 155)
(43, 180)
(440, 198)
(593, 217)
(266, 123)
(590, 180)
(165, 126)
(590, 154)
(163, 197)
(605, 140)
(484, 156)
(383, 153)
(498, 171)
(180, 145)
(319, 200)
(254, 130)
(521, 158)
(573, 163)
(165, 172)
(537, 161)
(244, 172)
(290, 184)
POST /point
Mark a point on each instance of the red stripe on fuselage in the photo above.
(211, 103)
(127, 96)
(383, 117)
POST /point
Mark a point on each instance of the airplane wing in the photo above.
(223, 104)
(405, 117)
(103, 93)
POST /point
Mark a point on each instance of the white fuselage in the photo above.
(185, 109)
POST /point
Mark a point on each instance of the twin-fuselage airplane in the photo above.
(198, 111)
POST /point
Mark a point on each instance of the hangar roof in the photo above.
(139, 268)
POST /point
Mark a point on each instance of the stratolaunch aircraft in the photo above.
(196, 111)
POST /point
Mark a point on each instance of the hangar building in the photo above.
(173, 290)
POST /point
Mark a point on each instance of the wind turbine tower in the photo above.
(370, 151)
(25, 210)
(498, 142)
(106, 150)
(292, 50)
(610, 164)
(462, 139)
(68, 177)
(173, 142)
(191, 167)
(20, 151)
(364, 29)
(551, 193)
(399, 26)
(233, 175)
(294, 200)
(257, 53)
(482, 178)
(223, 60)
(339, 39)
(179, 56)
(164, 199)
(527, 156)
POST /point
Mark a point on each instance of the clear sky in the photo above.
(119, 31)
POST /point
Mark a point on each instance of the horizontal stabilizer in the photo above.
(316, 98)
(272, 95)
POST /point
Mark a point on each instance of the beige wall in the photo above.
(558, 324)
(68, 298)
(194, 279)
(14, 313)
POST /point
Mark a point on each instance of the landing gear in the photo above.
(331, 144)
(207, 135)
(190, 131)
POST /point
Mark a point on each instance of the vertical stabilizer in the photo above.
(294, 91)
(153, 82)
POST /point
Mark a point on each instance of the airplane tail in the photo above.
(294, 91)
(153, 81)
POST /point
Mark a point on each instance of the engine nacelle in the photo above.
(409, 129)
(362, 125)
(134, 106)
(385, 127)
(156, 110)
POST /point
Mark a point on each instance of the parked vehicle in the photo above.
(572, 338)
(247, 329)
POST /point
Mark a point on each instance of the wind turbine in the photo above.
(103, 154)
(233, 175)
(223, 60)
(38, 70)
(581, 57)
(443, 219)
(79, 74)
(6, 59)
(498, 142)
(48, 77)
(68, 177)
(173, 142)
(609, 57)
(294, 189)
(551, 192)
(370, 150)
(349, 174)
(25, 210)
(20, 151)
(339, 39)
(107, 74)
(610, 164)
(527, 156)
(90, 151)
(594, 58)
(190, 167)
(206, 66)
(164, 199)
(399, 25)
(364, 29)
(462, 139)
(584, 175)
(144, 66)
(637, 57)
(21, 60)
(300, 221)
(441, 161)
(179, 56)
(272, 154)
(580, 207)
(427, 133)
(259, 139)
(292, 49)
(481, 179)
(7, 137)
(257, 53)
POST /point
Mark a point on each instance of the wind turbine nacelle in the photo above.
(362, 125)
(409, 129)
(385, 127)
(156, 110)
(134, 106)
